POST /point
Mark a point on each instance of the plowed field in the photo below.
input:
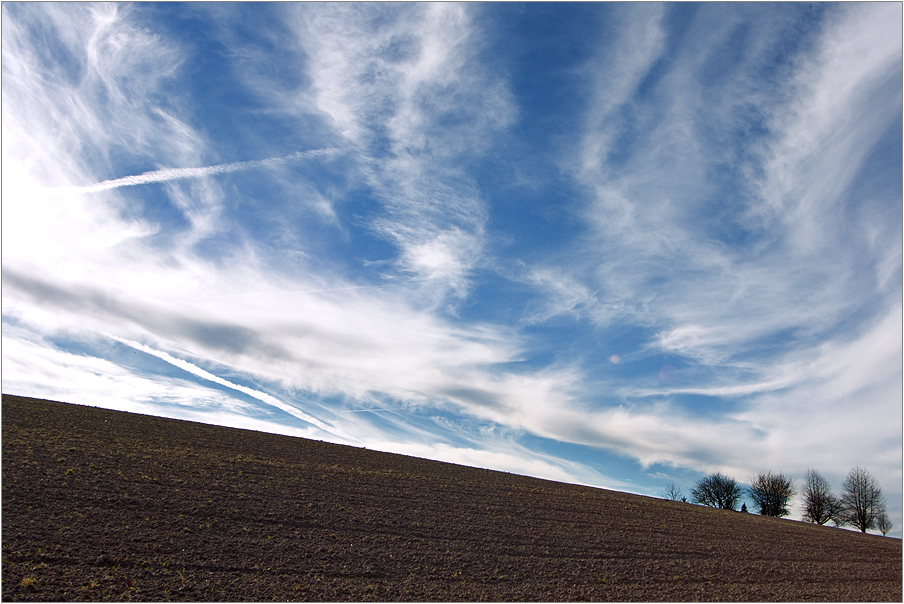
(105, 505)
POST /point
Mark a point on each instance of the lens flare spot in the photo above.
(667, 374)
(615, 359)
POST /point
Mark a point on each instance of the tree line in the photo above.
(861, 503)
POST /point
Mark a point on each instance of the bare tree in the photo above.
(718, 491)
(771, 492)
(883, 523)
(672, 492)
(862, 500)
(820, 504)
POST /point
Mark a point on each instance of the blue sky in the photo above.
(612, 244)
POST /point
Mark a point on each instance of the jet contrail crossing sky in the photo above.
(169, 174)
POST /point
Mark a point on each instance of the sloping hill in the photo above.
(101, 504)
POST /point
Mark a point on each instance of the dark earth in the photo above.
(105, 505)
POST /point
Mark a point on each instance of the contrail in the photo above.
(195, 370)
(300, 291)
(169, 174)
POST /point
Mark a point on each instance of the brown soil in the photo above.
(105, 505)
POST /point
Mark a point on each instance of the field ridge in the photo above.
(109, 505)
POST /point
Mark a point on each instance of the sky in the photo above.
(613, 244)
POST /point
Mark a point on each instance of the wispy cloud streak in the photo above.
(727, 177)
(405, 87)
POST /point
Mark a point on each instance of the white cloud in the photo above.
(837, 119)
(105, 97)
(842, 392)
(749, 304)
(639, 42)
(407, 93)
(315, 334)
(405, 88)
(65, 117)
(658, 259)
